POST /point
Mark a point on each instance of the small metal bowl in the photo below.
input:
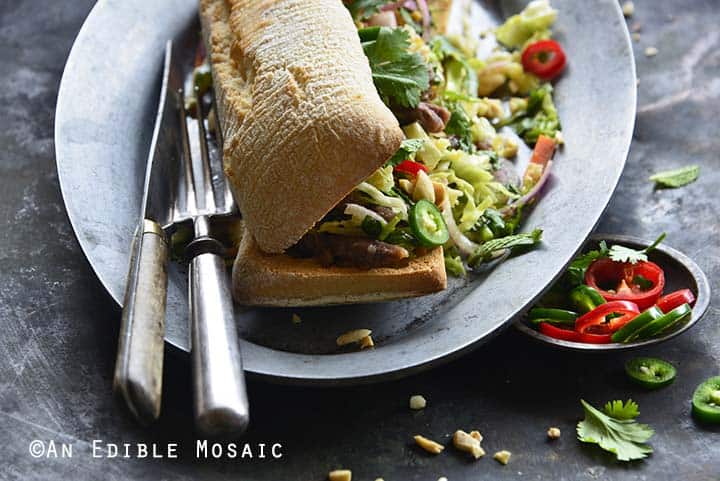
(680, 272)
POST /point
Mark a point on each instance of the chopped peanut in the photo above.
(502, 457)
(366, 342)
(628, 8)
(417, 402)
(468, 443)
(406, 185)
(476, 435)
(651, 51)
(340, 475)
(439, 193)
(553, 433)
(424, 188)
(428, 444)
(352, 336)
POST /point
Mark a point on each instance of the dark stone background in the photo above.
(58, 327)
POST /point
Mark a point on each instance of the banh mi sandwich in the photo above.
(362, 146)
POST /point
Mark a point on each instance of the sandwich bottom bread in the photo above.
(282, 280)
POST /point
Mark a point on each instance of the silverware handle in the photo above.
(221, 403)
(139, 364)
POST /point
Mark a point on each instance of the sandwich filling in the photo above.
(453, 182)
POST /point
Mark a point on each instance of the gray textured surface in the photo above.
(59, 327)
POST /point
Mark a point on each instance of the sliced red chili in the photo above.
(598, 325)
(595, 338)
(668, 302)
(545, 59)
(410, 167)
(558, 332)
(623, 281)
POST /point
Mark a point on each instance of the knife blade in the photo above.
(139, 363)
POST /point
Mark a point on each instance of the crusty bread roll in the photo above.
(261, 279)
(301, 119)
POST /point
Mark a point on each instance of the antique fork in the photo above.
(220, 396)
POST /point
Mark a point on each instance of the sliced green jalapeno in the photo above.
(427, 224)
(585, 298)
(553, 316)
(662, 323)
(706, 401)
(650, 372)
(628, 331)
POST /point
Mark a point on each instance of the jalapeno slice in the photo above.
(650, 372)
(428, 225)
(662, 323)
(585, 298)
(706, 401)
(553, 316)
(627, 332)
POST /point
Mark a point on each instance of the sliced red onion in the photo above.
(409, 4)
(359, 213)
(464, 245)
(383, 19)
(423, 6)
(506, 173)
(532, 193)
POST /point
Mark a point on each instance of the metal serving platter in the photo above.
(103, 123)
(681, 272)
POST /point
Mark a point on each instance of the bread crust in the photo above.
(261, 279)
(301, 119)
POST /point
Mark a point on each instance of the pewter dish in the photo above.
(681, 272)
(104, 116)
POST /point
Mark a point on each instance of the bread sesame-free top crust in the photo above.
(301, 119)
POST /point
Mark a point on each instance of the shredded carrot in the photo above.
(544, 150)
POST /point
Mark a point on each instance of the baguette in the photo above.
(261, 279)
(302, 122)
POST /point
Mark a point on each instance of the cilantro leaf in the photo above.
(399, 75)
(459, 125)
(676, 177)
(364, 9)
(486, 250)
(620, 253)
(407, 149)
(616, 409)
(576, 271)
(623, 437)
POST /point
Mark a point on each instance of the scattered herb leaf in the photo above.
(485, 251)
(621, 436)
(677, 177)
(616, 409)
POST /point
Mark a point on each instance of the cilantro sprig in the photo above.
(399, 76)
(616, 430)
(620, 253)
(576, 270)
